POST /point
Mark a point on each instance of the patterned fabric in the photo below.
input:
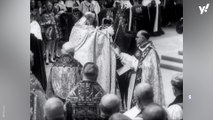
(49, 26)
(64, 74)
(34, 83)
(149, 72)
(37, 99)
(85, 98)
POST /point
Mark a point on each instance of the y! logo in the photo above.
(204, 8)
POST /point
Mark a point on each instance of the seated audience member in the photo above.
(86, 95)
(175, 109)
(154, 112)
(143, 95)
(54, 109)
(119, 116)
(64, 74)
(109, 105)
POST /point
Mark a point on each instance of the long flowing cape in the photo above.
(93, 45)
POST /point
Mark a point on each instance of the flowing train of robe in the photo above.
(93, 45)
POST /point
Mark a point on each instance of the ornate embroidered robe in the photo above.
(85, 98)
(64, 75)
(146, 68)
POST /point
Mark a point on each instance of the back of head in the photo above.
(119, 116)
(144, 33)
(90, 71)
(110, 104)
(66, 49)
(54, 109)
(143, 94)
(154, 112)
(177, 82)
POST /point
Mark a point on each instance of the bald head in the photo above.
(110, 104)
(143, 94)
(154, 112)
(142, 37)
(66, 49)
(90, 71)
(54, 109)
(119, 116)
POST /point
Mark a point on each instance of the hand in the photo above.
(117, 51)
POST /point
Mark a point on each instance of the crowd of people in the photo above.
(103, 65)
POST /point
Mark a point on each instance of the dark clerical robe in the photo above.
(85, 98)
(38, 69)
(64, 74)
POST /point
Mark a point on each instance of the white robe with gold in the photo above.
(93, 45)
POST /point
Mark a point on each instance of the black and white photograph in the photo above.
(106, 60)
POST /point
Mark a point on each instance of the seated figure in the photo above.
(64, 75)
(86, 95)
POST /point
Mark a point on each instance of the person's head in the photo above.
(110, 104)
(177, 84)
(90, 71)
(119, 116)
(32, 4)
(67, 50)
(54, 109)
(143, 94)
(142, 37)
(49, 5)
(39, 4)
(91, 18)
(154, 112)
